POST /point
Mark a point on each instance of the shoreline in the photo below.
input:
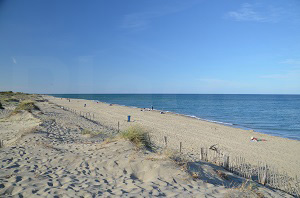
(278, 152)
(66, 154)
(233, 125)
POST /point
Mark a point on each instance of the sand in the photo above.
(280, 153)
(14, 127)
(56, 160)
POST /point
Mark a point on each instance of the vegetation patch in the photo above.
(8, 100)
(26, 105)
(246, 189)
(12, 99)
(1, 107)
(138, 136)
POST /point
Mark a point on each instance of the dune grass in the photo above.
(246, 189)
(12, 99)
(26, 105)
(138, 136)
(90, 132)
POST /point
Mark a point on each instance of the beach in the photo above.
(281, 153)
(54, 151)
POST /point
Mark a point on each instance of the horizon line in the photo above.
(173, 93)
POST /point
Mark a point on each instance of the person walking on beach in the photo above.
(152, 107)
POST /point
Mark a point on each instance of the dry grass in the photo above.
(222, 175)
(138, 136)
(26, 105)
(247, 189)
(110, 140)
(12, 99)
(91, 133)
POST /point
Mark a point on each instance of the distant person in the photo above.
(152, 107)
(69, 100)
(84, 105)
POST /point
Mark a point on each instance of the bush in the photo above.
(26, 105)
(138, 136)
(6, 92)
(11, 100)
(1, 107)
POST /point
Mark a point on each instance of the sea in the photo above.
(277, 115)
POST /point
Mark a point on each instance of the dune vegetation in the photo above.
(26, 105)
(138, 135)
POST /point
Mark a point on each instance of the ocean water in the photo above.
(277, 115)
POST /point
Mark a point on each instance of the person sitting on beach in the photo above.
(254, 139)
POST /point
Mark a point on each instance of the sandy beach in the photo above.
(52, 157)
(281, 153)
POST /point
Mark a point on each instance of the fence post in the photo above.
(180, 146)
(226, 162)
(118, 127)
(166, 141)
(201, 153)
(149, 138)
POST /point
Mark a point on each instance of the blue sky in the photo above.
(157, 46)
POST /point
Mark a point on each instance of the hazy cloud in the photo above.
(291, 61)
(14, 60)
(214, 82)
(141, 20)
(250, 12)
(292, 74)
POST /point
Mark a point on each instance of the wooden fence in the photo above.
(261, 173)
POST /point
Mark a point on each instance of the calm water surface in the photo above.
(272, 114)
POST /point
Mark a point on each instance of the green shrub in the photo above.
(1, 107)
(26, 105)
(6, 92)
(138, 136)
(11, 100)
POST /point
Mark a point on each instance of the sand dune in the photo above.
(14, 127)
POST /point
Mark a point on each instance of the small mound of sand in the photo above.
(14, 126)
(27, 105)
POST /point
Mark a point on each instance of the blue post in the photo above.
(128, 119)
